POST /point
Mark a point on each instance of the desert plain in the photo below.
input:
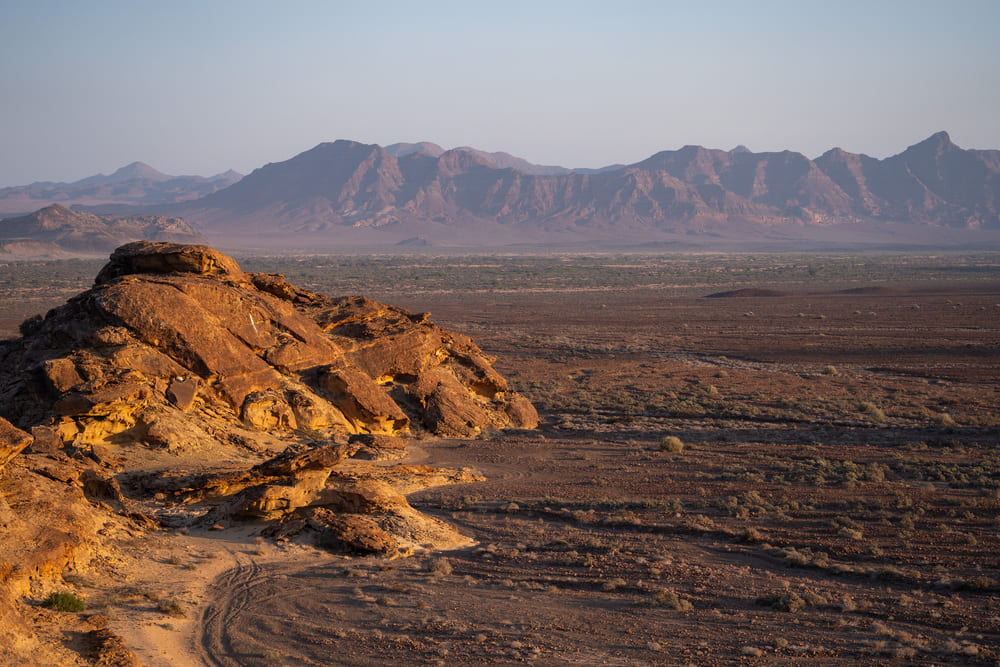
(741, 459)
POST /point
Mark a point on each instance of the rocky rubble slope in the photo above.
(182, 392)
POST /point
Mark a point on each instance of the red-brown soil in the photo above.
(798, 522)
(836, 500)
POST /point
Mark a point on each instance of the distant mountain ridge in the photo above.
(62, 230)
(340, 189)
(498, 159)
(136, 183)
(345, 193)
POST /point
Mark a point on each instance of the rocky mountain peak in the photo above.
(934, 145)
(137, 171)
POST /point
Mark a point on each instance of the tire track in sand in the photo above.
(232, 593)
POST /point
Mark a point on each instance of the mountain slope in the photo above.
(74, 231)
(346, 190)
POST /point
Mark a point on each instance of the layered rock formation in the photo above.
(174, 340)
(181, 391)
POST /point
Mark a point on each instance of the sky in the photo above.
(199, 87)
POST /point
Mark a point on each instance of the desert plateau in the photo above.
(567, 459)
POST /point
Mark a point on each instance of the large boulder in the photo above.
(179, 332)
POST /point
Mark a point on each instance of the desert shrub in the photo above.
(64, 602)
(981, 584)
(804, 557)
(171, 608)
(788, 602)
(721, 374)
(670, 599)
(612, 584)
(31, 325)
(440, 566)
(872, 410)
(672, 444)
(945, 419)
(699, 523)
(792, 601)
(829, 370)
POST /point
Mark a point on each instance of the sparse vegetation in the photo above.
(64, 601)
(669, 599)
(171, 607)
(672, 444)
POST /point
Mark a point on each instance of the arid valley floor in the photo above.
(806, 469)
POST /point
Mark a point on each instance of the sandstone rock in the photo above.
(362, 401)
(350, 532)
(148, 257)
(312, 413)
(102, 488)
(521, 412)
(276, 284)
(12, 441)
(61, 375)
(268, 411)
(317, 458)
(452, 412)
(376, 447)
(182, 391)
(183, 326)
(46, 441)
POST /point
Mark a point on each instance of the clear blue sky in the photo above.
(198, 87)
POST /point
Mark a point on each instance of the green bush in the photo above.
(64, 602)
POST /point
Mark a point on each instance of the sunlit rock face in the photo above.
(176, 346)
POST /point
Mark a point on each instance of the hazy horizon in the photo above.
(192, 88)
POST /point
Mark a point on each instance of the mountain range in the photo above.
(136, 183)
(346, 193)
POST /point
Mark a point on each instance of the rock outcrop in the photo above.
(176, 345)
(183, 392)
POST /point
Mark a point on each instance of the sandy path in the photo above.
(219, 560)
